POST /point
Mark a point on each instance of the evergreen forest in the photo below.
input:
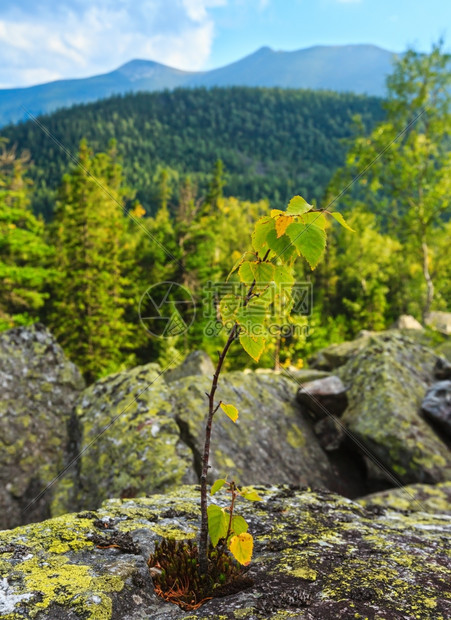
(100, 202)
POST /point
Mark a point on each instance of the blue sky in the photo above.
(44, 40)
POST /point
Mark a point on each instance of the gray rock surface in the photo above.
(317, 556)
(436, 405)
(131, 443)
(442, 369)
(142, 435)
(197, 363)
(388, 379)
(38, 386)
(323, 397)
(272, 442)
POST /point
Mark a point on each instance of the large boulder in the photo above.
(38, 388)
(388, 379)
(323, 397)
(196, 363)
(131, 443)
(337, 355)
(272, 442)
(142, 435)
(317, 556)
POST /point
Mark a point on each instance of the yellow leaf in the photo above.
(241, 548)
(276, 212)
(230, 411)
(282, 223)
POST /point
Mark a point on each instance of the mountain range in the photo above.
(354, 68)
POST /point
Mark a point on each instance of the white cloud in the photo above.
(76, 38)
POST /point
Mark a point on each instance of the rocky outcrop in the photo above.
(142, 435)
(442, 369)
(38, 386)
(272, 442)
(432, 498)
(323, 397)
(388, 378)
(131, 442)
(317, 556)
(337, 355)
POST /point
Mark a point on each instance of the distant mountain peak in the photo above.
(354, 68)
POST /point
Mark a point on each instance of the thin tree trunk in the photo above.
(203, 540)
(277, 353)
(429, 283)
(212, 409)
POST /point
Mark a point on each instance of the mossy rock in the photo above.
(387, 381)
(38, 388)
(317, 556)
(433, 498)
(131, 442)
(338, 354)
(271, 442)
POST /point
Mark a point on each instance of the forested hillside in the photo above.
(274, 143)
(166, 188)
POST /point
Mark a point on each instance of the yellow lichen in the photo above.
(58, 582)
(295, 437)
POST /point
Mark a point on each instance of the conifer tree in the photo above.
(23, 251)
(88, 301)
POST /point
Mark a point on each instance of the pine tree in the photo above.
(23, 251)
(88, 302)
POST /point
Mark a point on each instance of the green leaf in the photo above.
(217, 486)
(254, 346)
(298, 206)
(259, 236)
(252, 318)
(246, 272)
(218, 523)
(341, 220)
(263, 272)
(251, 495)
(239, 525)
(228, 307)
(237, 264)
(310, 241)
(241, 548)
(282, 246)
(284, 275)
(319, 219)
(231, 411)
